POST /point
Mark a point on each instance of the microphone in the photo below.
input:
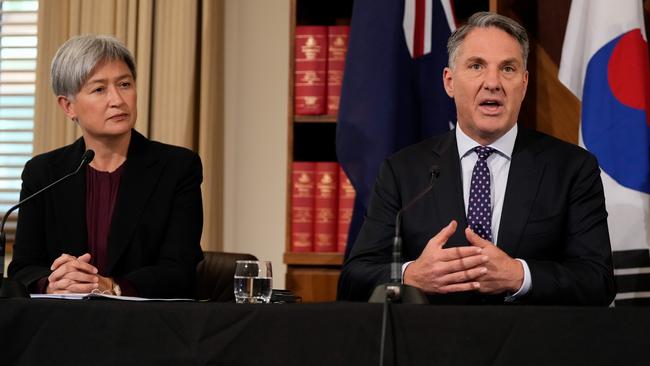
(11, 288)
(395, 290)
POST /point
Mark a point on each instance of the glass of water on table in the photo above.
(253, 282)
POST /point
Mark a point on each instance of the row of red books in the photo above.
(319, 62)
(322, 199)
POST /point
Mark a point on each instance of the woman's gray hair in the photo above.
(487, 20)
(78, 57)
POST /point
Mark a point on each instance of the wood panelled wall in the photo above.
(549, 106)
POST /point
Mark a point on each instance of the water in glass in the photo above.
(252, 290)
(253, 282)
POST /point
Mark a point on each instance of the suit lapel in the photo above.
(523, 183)
(71, 196)
(448, 193)
(141, 172)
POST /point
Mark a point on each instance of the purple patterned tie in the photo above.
(479, 216)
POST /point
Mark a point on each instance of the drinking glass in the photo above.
(253, 282)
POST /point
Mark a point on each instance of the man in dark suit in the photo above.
(514, 216)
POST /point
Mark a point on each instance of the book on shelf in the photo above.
(320, 53)
(310, 70)
(322, 200)
(325, 207)
(337, 36)
(302, 206)
(346, 206)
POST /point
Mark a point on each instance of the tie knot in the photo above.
(483, 152)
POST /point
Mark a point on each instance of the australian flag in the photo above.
(392, 94)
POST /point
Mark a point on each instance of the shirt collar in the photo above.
(504, 145)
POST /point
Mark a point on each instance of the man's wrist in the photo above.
(405, 266)
(526, 284)
(518, 281)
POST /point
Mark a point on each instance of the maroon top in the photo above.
(101, 195)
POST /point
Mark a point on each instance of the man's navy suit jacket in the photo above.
(553, 217)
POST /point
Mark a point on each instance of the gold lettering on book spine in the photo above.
(310, 50)
(302, 240)
(302, 214)
(325, 186)
(348, 188)
(324, 239)
(337, 49)
(333, 101)
(324, 215)
(335, 77)
(345, 215)
(309, 78)
(302, 188)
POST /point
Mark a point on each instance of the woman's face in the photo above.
(106, 105)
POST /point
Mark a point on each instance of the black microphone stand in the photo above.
(395, 291)
(9, 287)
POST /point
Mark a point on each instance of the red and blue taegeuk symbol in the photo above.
(615, 106)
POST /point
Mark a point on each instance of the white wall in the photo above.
(255, 131)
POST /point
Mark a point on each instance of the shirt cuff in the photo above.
(525, 286)
(406, 264)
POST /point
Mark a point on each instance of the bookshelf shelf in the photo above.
(315, 119)
(313, 259)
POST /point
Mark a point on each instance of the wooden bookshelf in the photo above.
(312, 276)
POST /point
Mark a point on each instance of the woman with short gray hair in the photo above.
(77, 58)
(129, 223)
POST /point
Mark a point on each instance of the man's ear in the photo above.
(447, 80)
(66, 106)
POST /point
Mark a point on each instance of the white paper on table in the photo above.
(90, 296)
